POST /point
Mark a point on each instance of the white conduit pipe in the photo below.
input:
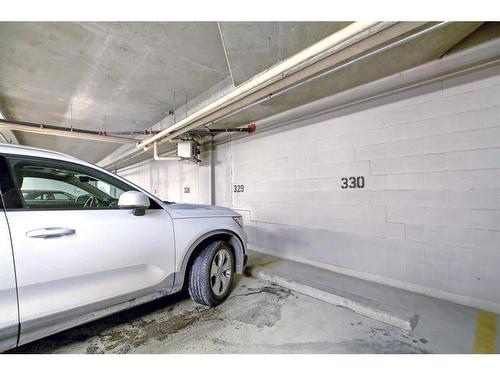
(350, 62)
(3, 138)
(299, 58)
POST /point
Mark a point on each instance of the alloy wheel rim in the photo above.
(220, 272)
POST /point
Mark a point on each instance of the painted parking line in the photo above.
(486, 333)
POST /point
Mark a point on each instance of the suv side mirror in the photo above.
(134, 200)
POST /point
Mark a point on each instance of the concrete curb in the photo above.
(394, 316)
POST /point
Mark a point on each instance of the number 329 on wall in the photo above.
(352, 182)
(238, 188)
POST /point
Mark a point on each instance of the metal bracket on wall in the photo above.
(192, 136)
(193, 159)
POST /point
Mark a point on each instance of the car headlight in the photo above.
(238, 220)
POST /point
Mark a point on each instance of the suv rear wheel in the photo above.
(211, 274)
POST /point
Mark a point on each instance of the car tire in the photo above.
(211, 275)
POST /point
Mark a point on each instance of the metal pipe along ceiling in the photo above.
(285, 84)
(60, 131)
(352, 31)
(248, 103)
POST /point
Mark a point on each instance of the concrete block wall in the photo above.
(428, 217)
(139, 174)
(172, 180)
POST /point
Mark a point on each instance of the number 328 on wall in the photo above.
(352, 182)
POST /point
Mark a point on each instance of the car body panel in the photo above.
(38, 152)
(113, 261)
(189, 210)
(54, 323)
(191, 232)
(9, 322)
(98, 262)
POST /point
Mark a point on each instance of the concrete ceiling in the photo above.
(270, 42)
(122, 76)
(416, 52)
(109, 75)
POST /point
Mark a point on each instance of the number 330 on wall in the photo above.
(352, 182)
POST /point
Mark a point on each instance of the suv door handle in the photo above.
(50, 232)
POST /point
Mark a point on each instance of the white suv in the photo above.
(82, 243)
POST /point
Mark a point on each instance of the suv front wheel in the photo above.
(211, 275)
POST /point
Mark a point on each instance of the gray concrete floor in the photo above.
(257, 318)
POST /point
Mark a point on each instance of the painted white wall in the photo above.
(168, 179)
(139, 174)
(428, 219)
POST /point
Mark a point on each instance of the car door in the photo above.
(9, 322)
(82, 260)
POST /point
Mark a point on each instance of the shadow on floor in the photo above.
(129, 317)
(94, 328)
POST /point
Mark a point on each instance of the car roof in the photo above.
(32, 151)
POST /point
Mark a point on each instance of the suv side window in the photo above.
(52, 184)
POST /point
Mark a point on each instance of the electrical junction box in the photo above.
(186, 149)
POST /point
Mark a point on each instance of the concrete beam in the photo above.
(58, 132)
